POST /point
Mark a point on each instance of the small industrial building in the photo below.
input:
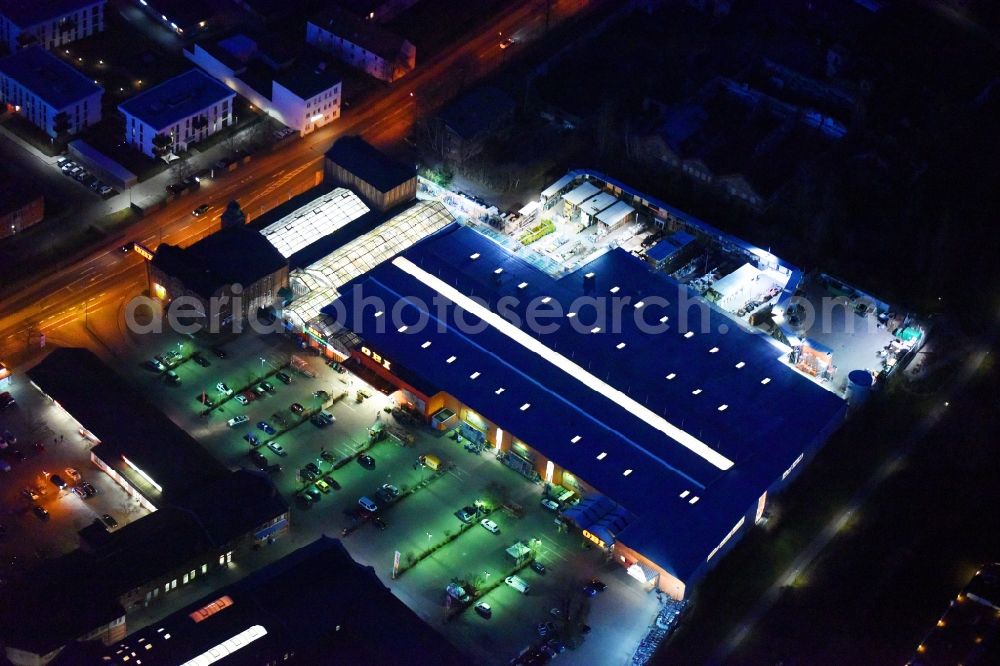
(460, 131)
(181, 111)
(49, 93)
(21, 204)
(300, 95)
(668, 253)
(48, 23)
(204, 517)
(235, 266)
(313, 606)
(361, 43)
(380, 180)
(672, 439)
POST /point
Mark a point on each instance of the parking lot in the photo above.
(28, 536)
(413, 522)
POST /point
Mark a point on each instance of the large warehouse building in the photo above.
(672, 440)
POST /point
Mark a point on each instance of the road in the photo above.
(105, 278)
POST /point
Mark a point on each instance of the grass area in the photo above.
(537, 232)
(34, 135)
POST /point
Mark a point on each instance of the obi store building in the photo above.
(672, 440)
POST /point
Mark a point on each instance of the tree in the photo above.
(61, 125)
(162, 144)
(182, 170)
(233, 216)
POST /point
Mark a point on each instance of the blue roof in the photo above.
(57, 83)
(763, 429)
(669, 246)
(175, 99)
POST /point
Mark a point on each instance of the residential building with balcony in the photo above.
(48, 92)
(49, 23)
(179, 112)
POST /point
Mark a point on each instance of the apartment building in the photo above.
(179, 112)
(49, 23)
(361, 44)
(48, 92)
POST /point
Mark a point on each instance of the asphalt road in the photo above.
(104, 279)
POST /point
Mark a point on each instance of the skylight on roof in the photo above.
(620, 345)
(639, 304)
(498, 271)
(766, 380)
(379, 314)
(671, 375)
(615, 289)
(740, 365)
(426, 345)
(589, 275)
(693, 500)
(685, 494)
(546, 299)
(713, 350)
(474, 256)
(500, 390)
(626, 472)
(689, 334)
(575, 439)
(522, 285)
(696, 392)
(563, 363)
(602, 455)
(314, 221)
(474, 375)
(664, 319)
(525, 406)
(723, 408)
(402, 329)
(570, 315)
(596, 329)
(451, 359)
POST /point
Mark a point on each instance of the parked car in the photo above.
(88, 489)
(242, 399)
(550, 504)
(283, 378)
(258, 459)
(57, 481)
(259, 391)
(466, 514)
(172, 378)
(323, 486)
(30, 494)
(73, 474)
(238, 420)
(280, 418)
(109, 522)
(200, 360)
(219, 352)
(40, 512)
(367, 504)
(308, 475)
(252, 439)
(266, 427)
(156, 365)
(391, 490)
(296, 408)
(267, 386)
(105, 190)
(366, 461)
(313, 467)
(490, 525)
(6, 400)
(483, 610)
(332, 481)
(311, 494)
(223, 388)
(318, 421)
(537, 567)
(277, 448)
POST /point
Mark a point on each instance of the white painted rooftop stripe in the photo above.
(683, 438)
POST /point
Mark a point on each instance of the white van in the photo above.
(237, 420)
(368, 504)
(517, 583)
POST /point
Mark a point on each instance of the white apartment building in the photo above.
(49, 23)
(48, 92)
(361, 44)
(177, 113)
(303, 97)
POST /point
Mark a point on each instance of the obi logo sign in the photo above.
(378, 358)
